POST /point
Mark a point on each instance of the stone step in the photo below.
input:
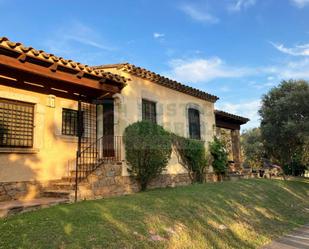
(56, 193)
(64, 185)
(68, 179)
(13, 207)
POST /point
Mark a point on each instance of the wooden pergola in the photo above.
(34, 70)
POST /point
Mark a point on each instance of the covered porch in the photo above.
(95, 92)
(228, 129)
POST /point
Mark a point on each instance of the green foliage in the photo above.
(220, 156)
(226, 139)
(295, 167)
(192, 155)
(285, 121)
(251, 142)
(148, 150)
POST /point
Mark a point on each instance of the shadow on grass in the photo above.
(243, 214)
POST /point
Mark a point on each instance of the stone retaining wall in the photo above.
(19, 190)
(104, 182)
(108, 181)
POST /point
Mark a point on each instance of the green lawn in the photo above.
(252, 211)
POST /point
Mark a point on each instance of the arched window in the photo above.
(149, 111)
(194, 123)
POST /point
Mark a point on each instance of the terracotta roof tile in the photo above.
(5, 43)
(159, 79)
(242, 120)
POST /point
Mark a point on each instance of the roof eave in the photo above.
(159, 79)
(241, 120)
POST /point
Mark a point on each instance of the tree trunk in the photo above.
(143, 186)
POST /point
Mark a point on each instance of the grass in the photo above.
(252, 211)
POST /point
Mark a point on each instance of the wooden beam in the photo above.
(45, 72)
(109, 88)
(35, 87)
(53, 67)
(80, 74)
(18, 79)
(227, 125)
(22, 57)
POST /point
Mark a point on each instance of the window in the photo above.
(149, 111)
(194, 124)
(16, 123)
(69, 122)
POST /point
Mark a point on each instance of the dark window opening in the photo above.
(149, 111)
(16, 123)
(69, 122)
(194, 124)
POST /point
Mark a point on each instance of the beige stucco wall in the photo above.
(172, 111)
(51, 151)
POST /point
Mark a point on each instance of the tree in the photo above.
(285, 121)
(148, 149)
(252, 144)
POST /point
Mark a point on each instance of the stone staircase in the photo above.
(65, 187)
(98, 180)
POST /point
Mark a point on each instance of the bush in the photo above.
(295, 167)
(192, 156)
(148, 149)
(220, 157)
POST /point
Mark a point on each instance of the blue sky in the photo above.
(235, 49)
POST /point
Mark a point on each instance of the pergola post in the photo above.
(235, 134)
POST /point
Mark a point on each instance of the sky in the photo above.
(235, 49)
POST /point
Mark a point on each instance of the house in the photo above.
(61, 123)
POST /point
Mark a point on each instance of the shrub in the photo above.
(295, 167)
(220, 157)
(192, 156)
(148, 149)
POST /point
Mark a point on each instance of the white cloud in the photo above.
(224, 89)
(158, 35)
(248, 109)
(67, 40)
(298, 69)
(239, 5)
(270, 81)
(291, 69)
(204, 69)
(300, 3)
(298, 50)
(199, 15)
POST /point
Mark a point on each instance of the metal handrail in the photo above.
(104, 149)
